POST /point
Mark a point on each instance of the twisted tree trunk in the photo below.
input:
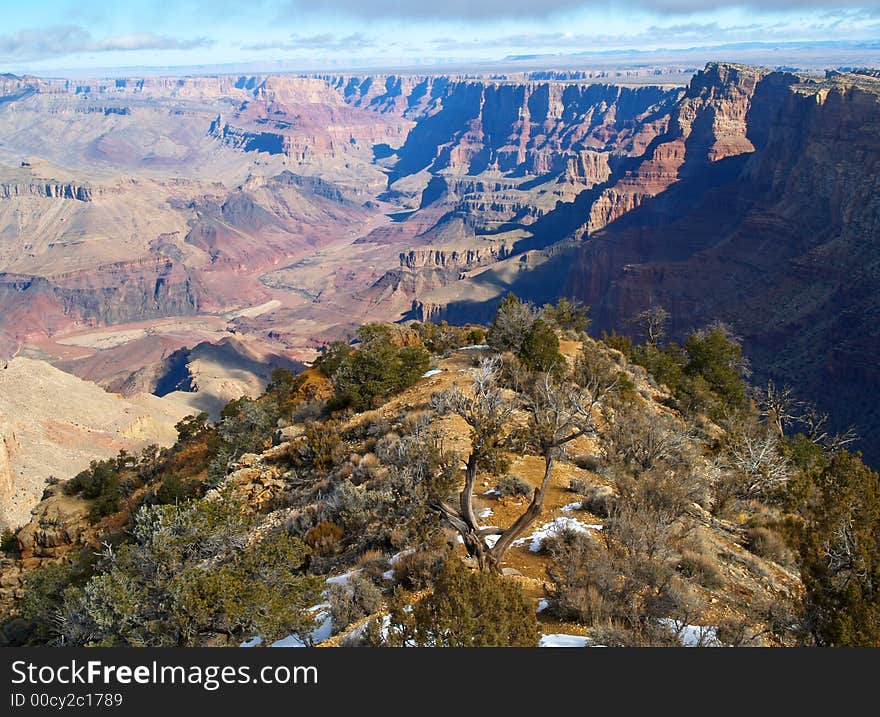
(497, 551)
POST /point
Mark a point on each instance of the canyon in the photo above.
(142, 218)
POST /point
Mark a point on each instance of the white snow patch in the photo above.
(323, 630)
(359, 631)
(543, 604)
(401, 554)
(388, 574)
(562, 640)
(343, 579)
(492, 491)
(557, 525)
(572, 506)
(432, 372)
(289, 641)
(474, 347)
(693, 635)
(485, 513)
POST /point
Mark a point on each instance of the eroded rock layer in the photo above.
(288, 210)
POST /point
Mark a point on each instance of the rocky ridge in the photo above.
(52, 424)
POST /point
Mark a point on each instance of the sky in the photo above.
(61, 35)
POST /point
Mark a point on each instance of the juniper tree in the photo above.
(559, 411)
(512, 323)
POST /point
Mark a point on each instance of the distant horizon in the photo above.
(66, 37)
(812, 56)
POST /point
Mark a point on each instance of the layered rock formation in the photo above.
(340, 199)
(757, 206)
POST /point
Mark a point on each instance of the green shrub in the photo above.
(510, 486)
(192, 427)
(7, 541)
(768, 544)
(599, 500)
(512, 323)
(468, 609)
(332, 356)
(540, 347)
(566, 316)
(838, 549)
(43, 595)
(596, 370)
(189, 576)
(100, 483)
(175, 489)
(417, 570)
(319, 448)
(353, 600)
(618, 342)
(441, 337)
(377, 370)
(283, 390)
(325, 537)
(704, 375)
(587, 462)
(476, 337)
(666, 365)
(702, 567)
(247, 425)
(716, 357)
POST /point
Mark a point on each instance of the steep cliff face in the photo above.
(706, 126)
(534, 128)
(749, 196)
(49, 190)
(452, 258)
(305, 119)
(8, 448)
(753, 199)
(781, 243)
(109, 294)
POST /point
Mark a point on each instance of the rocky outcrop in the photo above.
(746, 189)
(52, 424)
(706, 126)
(753, 199)
(108, 294)
(453, 259)
(771, 228)
(306, 120)
(237, 138)
(58, 523)
(8, 448)
(532, 127)
(48, 190)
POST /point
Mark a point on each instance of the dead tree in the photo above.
(653, 322)
(559, 412)
(778, 406)
(755, 457)
(815, 424)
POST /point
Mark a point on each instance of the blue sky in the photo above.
(77, 34)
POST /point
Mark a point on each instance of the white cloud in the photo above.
(71, 39)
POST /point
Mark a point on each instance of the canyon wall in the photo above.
(749, 195)
(782, 244)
